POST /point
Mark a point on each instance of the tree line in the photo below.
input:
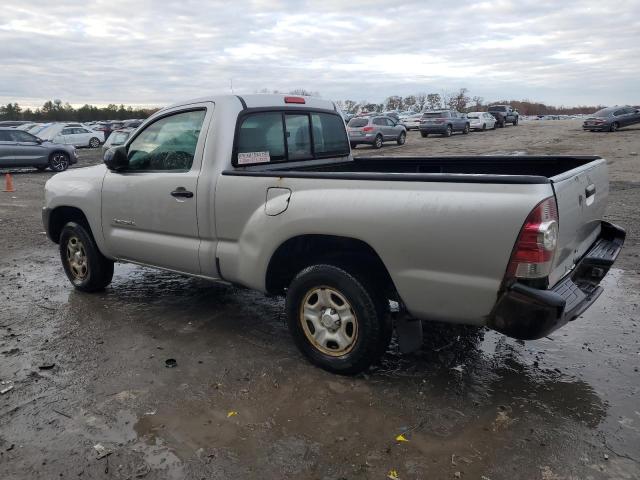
(56, 111)
(461, 101)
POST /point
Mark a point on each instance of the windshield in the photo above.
(498, 108)
(435, 114)
(358, 122)
(605, 112)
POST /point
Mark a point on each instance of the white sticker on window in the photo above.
(245, 158)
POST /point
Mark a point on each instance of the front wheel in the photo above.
(515, 122)
(484, 127)
(336, 319)
(86, 268)
(94, 142)
(466, 129)
(448, 131)
(59, 162)
(614, 126)
(377, 143)
(402, 138)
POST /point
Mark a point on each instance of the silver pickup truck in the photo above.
(262, 191)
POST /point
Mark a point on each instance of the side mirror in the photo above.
(116, 158)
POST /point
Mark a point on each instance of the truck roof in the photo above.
(258, 100)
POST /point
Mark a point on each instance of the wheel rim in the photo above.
(77, 259)
(94, 142)
(484, 126)
(378, 142)
(59, 162)
(328, 321)
(614, 127)
(402, 138)
(448, 131)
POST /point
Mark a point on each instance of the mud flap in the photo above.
(409, 331)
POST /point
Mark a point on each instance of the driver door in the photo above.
(149, 209)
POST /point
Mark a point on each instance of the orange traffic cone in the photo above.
(8, 183)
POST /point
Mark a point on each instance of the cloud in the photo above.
(157, 53)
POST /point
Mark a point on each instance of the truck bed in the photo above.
(472, 169)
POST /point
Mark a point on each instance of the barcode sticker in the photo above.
(245, 158)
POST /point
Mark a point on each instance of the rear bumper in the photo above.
(529, 313)
(433, 128)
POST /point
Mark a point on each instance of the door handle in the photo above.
(181, 192)
(590, 191)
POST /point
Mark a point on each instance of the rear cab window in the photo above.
(289, 135)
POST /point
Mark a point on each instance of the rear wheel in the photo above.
(337, 320)
(402, 138)
(424, 134)
(94, 142)
(484, 127)
(466, 129)
(614, 126)
(377, 143)
(86, 268)
(448, 131)
(59, 162)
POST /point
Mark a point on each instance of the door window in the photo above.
(379, 121)
(5, 136)
(20, 136)
(167, 144)
(67, 131)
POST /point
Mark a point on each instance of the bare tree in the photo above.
(421, 101)
(434, 101)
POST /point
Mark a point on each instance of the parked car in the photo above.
(504, 114)
(21, 149)
(375, 131)
(12, 123)
(444, 122)
(69, 134)
(412, 121)
(26, 126)
(612, 118)
(481, 120)
(131, 124)
(245, 194)
(118, 137)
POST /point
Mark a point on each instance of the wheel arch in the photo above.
(302, 251)
(62, 215)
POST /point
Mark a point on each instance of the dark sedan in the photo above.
(612, 118)
(21, 149)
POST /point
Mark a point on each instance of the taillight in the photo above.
(367, 129)
(533, 253)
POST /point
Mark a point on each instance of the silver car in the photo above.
(21, 149)
(375, 130)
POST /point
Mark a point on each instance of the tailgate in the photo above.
(581, 195)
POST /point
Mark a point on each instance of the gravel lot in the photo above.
(242, 403)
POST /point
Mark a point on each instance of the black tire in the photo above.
(448, 131)
(90, 271)
(371, 323)
(402, 138)
(466, 129)
(515, 122)
(484, 127)
(59, 161)
(94, 142)
(377, 143)
(614, 126)
(424, 134)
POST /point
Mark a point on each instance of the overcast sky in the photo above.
(157, 52)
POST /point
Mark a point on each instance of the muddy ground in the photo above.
(243, 403)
